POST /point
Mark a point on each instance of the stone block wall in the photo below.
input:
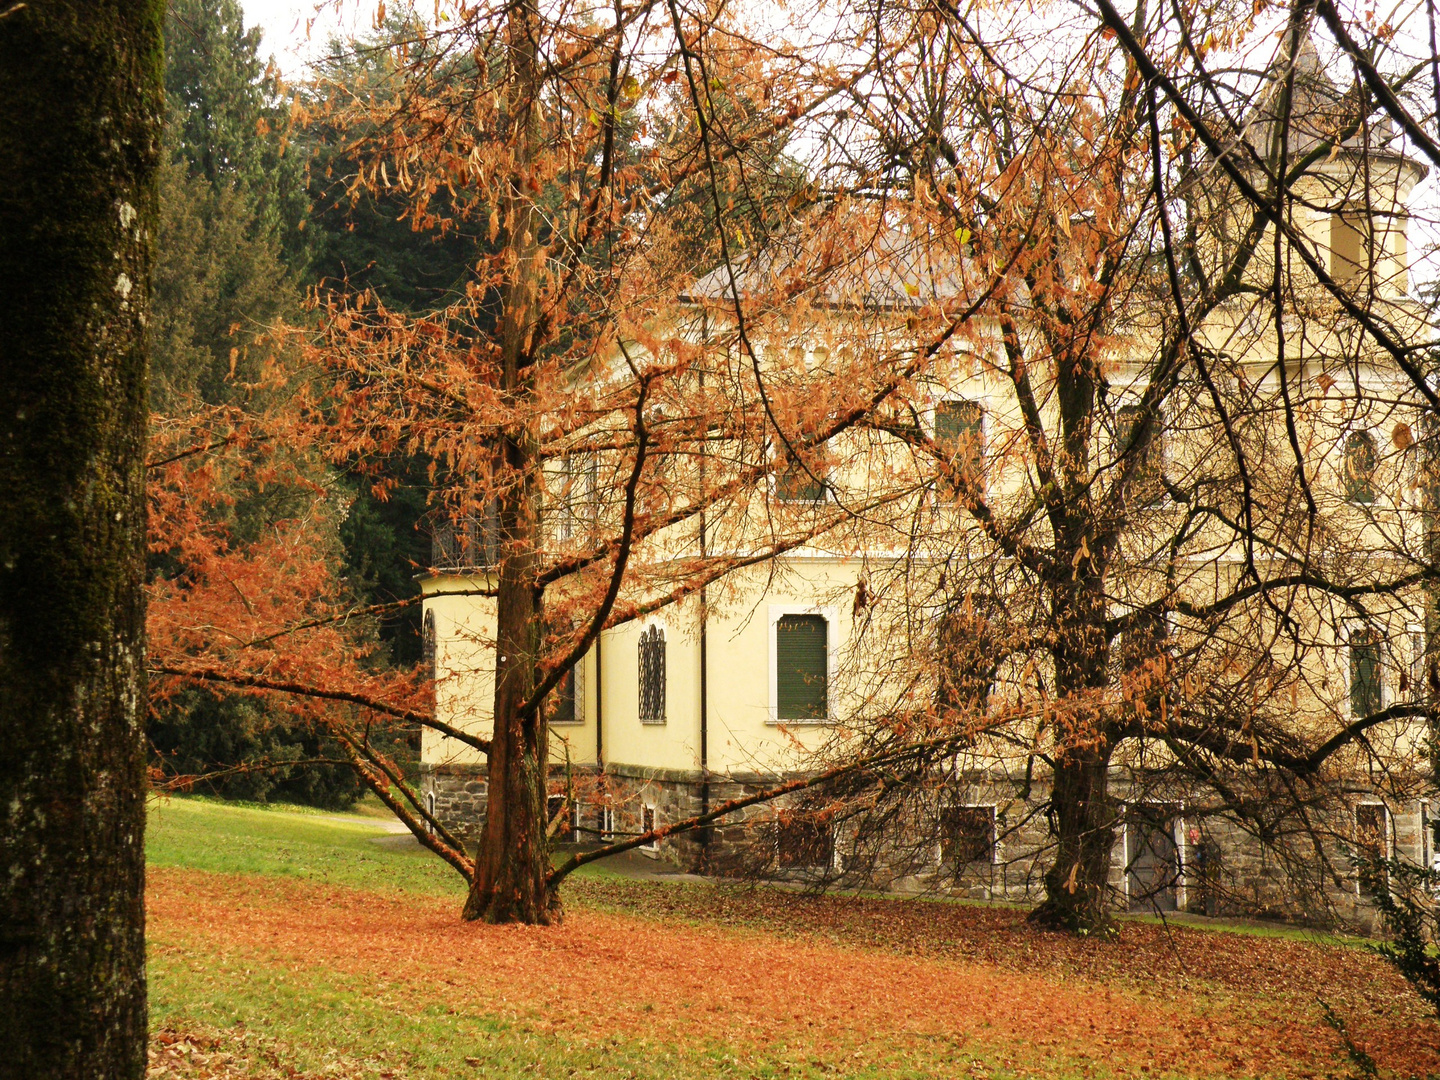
(1224, 869)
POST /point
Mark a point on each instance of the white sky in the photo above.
(296, 31)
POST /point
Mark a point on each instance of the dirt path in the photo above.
(603, 974)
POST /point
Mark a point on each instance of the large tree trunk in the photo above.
(514, 857)
(1077, 890)
(513, 860)
(79, 142)
(1077, 884)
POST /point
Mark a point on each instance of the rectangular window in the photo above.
(960, 435)
(605, 822)
(802, 656)
(577, 498)
(567, 708)
(795, 484)
(1146, 484)
(1372, 846)
(1415, 673)
(804, 844)
(967, 833)
(1365, 671)
(647, 824)
(1350, 247)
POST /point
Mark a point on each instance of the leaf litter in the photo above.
(830, 977)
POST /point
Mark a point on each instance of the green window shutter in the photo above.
(564, 700)
(1364, 673)
(960, 433)
(1360, 465)
(793, 484)
(801, 659)
(1146, 485)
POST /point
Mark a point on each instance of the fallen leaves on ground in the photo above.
(1146, 955)
(235, 1054)
(842, 976)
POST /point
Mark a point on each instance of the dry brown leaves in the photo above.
(864, 972)
(224, 1055)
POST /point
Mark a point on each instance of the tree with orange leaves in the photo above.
(609, 158)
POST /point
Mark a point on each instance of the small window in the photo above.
(1146, 481)
(967, 833)
(1365, 672)
(802, 653)
(960, 435)
(566, 709)
(647, 824)
(1351, 247)
(1372, 846)
(605, 822)
(652, 676)
(1361, 462)
(804, 844)
(797, 484)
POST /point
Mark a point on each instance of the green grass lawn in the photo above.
(265, 1019)
(257, 1011)
(292, 841)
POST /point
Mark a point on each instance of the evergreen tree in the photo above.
(231, 256)
(232, 246)
(363, 239)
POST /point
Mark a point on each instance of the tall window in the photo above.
(427, 643)
(1365, 689)
(1146, 485)
(1352, 247)
(647, 824)
(1361, 462)
(568, 705)
(960, 434)
(1414, 674)
(1372, 845)
(802, 651)
(577, 498)
(652, 676)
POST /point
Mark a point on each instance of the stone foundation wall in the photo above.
(1223, 869)
(456, 795)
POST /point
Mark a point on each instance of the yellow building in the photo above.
(716, 695)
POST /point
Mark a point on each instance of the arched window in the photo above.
(652, 676)
(427, 643)
(1361, 462)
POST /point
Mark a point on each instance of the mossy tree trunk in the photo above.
(79, 142)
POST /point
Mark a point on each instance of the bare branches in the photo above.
(319, 693)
